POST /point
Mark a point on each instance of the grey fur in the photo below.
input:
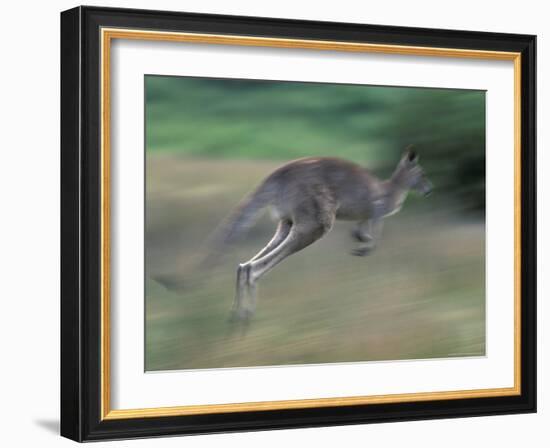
(307, 196)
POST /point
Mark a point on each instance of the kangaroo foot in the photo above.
(245, 297)
(360, 235)
(362, 251)
(240, 315)
(238, 324)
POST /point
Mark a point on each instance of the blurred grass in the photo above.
(419, 295)
(270, 120)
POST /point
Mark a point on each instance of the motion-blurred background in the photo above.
(421, 294)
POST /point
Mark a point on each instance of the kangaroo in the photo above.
(306, 196)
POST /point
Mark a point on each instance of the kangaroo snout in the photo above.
(426, 188)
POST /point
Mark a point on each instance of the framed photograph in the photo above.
(276, 224)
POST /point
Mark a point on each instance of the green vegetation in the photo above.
(248, 119)
(421, 294)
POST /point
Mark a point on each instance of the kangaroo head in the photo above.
(410, 175)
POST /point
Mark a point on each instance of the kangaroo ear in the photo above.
(410, 155)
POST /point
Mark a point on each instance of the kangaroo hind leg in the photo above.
(312, 220)
(283, 229)
(245, 294)
(299, 238)
(301, 235)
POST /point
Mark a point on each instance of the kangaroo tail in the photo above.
(230, 229)
(242, 218)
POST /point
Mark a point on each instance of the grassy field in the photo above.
(419, 295)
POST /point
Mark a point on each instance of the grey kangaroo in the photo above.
(306, 196)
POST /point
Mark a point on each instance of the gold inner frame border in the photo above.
(107, 35)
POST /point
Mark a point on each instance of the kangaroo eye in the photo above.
(412, 156)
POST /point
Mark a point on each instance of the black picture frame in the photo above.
(81, 414)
